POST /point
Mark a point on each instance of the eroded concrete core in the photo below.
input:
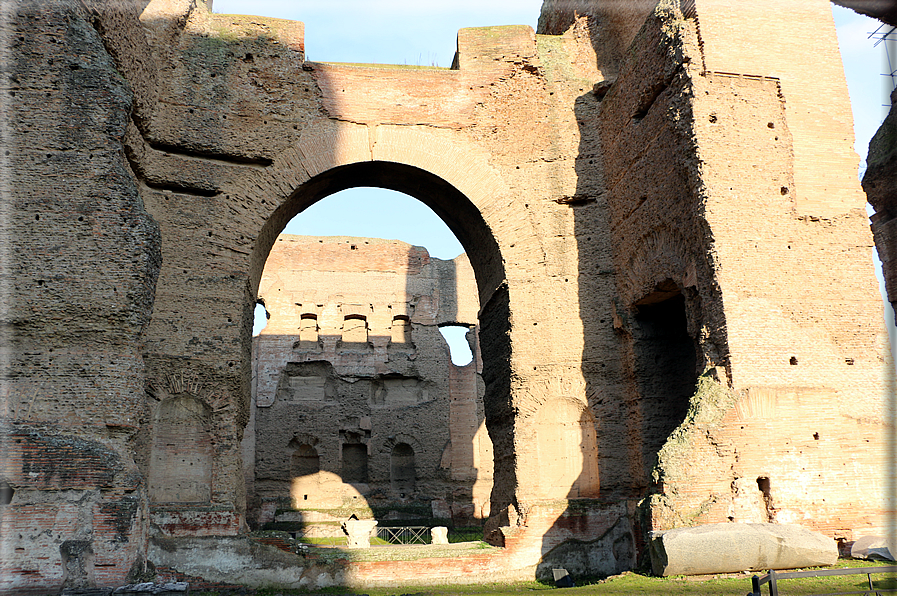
(659, 205)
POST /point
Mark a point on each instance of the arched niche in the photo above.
(566, 450)
(304, 461)
(402, 470)
(180, 469)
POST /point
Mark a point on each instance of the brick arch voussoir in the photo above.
(446, 154)
(658, 255)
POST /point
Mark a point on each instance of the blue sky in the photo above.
(424, 32)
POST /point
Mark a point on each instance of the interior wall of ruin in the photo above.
(352, 360)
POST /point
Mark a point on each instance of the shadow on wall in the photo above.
(636, 301)
(359, 408)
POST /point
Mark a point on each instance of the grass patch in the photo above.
(626, 584)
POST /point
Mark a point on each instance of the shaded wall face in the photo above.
(390, 418)
(76, 298)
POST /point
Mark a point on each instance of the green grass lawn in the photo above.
(631, 583)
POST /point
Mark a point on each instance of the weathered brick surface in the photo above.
(695, 215)
(80, 258)
(316, 389)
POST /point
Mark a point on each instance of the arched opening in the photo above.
(402, 472)
(355, 351)
(180, 469)
(666, 361)
(459, 341)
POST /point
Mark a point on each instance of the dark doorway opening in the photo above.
(665, 365)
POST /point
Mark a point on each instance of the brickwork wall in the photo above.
(379, 390)
(78, 264)
(784, 352)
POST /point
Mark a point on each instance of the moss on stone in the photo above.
(706, 409)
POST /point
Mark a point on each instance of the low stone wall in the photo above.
(584, 536)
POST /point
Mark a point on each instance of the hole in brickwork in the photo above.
(849, 361)
(770, 125)
(784, 190)
(764, 486)
(456, 336)
(712, 118)
(6, 493)
(261, 316)
(816, 436)
(793, 361)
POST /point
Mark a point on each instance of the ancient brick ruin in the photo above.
(662, 217)
(356, 399)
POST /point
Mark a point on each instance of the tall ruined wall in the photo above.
(879, 182)
(78, 266)
(724, 218)
(351, 367)
(668, 244)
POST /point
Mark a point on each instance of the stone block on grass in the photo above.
(728, 548)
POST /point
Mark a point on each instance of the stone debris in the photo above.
(359, 531)
(728, 548)
(166, 589)
(439, 535)
(874, 547)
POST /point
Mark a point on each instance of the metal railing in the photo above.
(404, 534)
(772, 578)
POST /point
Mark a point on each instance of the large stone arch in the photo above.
(439, 168)
(452, 177)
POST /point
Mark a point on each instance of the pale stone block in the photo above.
(359, 532)
(727, 548)
(439, 535)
